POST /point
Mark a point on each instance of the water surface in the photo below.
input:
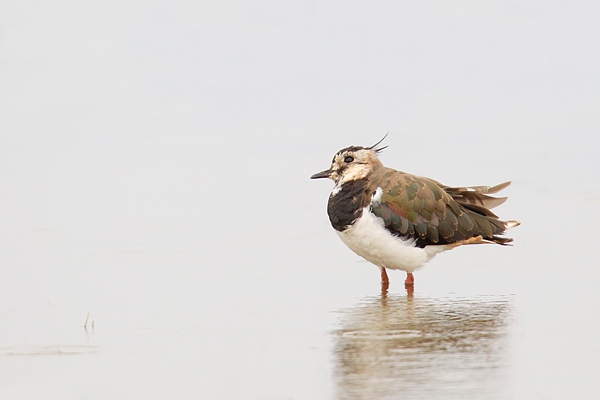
(446, 348)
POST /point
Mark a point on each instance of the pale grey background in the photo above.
(154, 164)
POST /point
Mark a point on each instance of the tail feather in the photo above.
(478, 195)
(504, 241)
(488, 226)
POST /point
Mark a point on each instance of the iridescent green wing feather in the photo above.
(420, 208)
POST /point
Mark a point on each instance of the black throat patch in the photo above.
(346, 206)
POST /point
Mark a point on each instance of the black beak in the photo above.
(322, 174)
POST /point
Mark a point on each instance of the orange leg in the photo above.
(409, 284)
(385, 281)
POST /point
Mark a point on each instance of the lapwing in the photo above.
(400, 221)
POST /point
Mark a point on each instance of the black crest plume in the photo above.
(378, 149)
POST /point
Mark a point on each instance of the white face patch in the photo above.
(353, 165)
(355, 172)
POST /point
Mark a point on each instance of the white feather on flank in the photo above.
(377, 196)
(368, 238)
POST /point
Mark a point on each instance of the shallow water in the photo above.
(298, 316)
(394, 346)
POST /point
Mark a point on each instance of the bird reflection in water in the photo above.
(390, 347)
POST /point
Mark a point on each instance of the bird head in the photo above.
(352, 163)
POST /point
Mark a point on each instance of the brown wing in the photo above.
(421, 208)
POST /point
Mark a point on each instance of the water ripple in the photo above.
(394, 346)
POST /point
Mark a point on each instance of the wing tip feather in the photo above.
(511, 223)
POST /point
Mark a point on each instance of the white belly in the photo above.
(368, 238)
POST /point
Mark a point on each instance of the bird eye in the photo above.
(348, 159)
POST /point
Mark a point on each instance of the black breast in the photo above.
(346, 206)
